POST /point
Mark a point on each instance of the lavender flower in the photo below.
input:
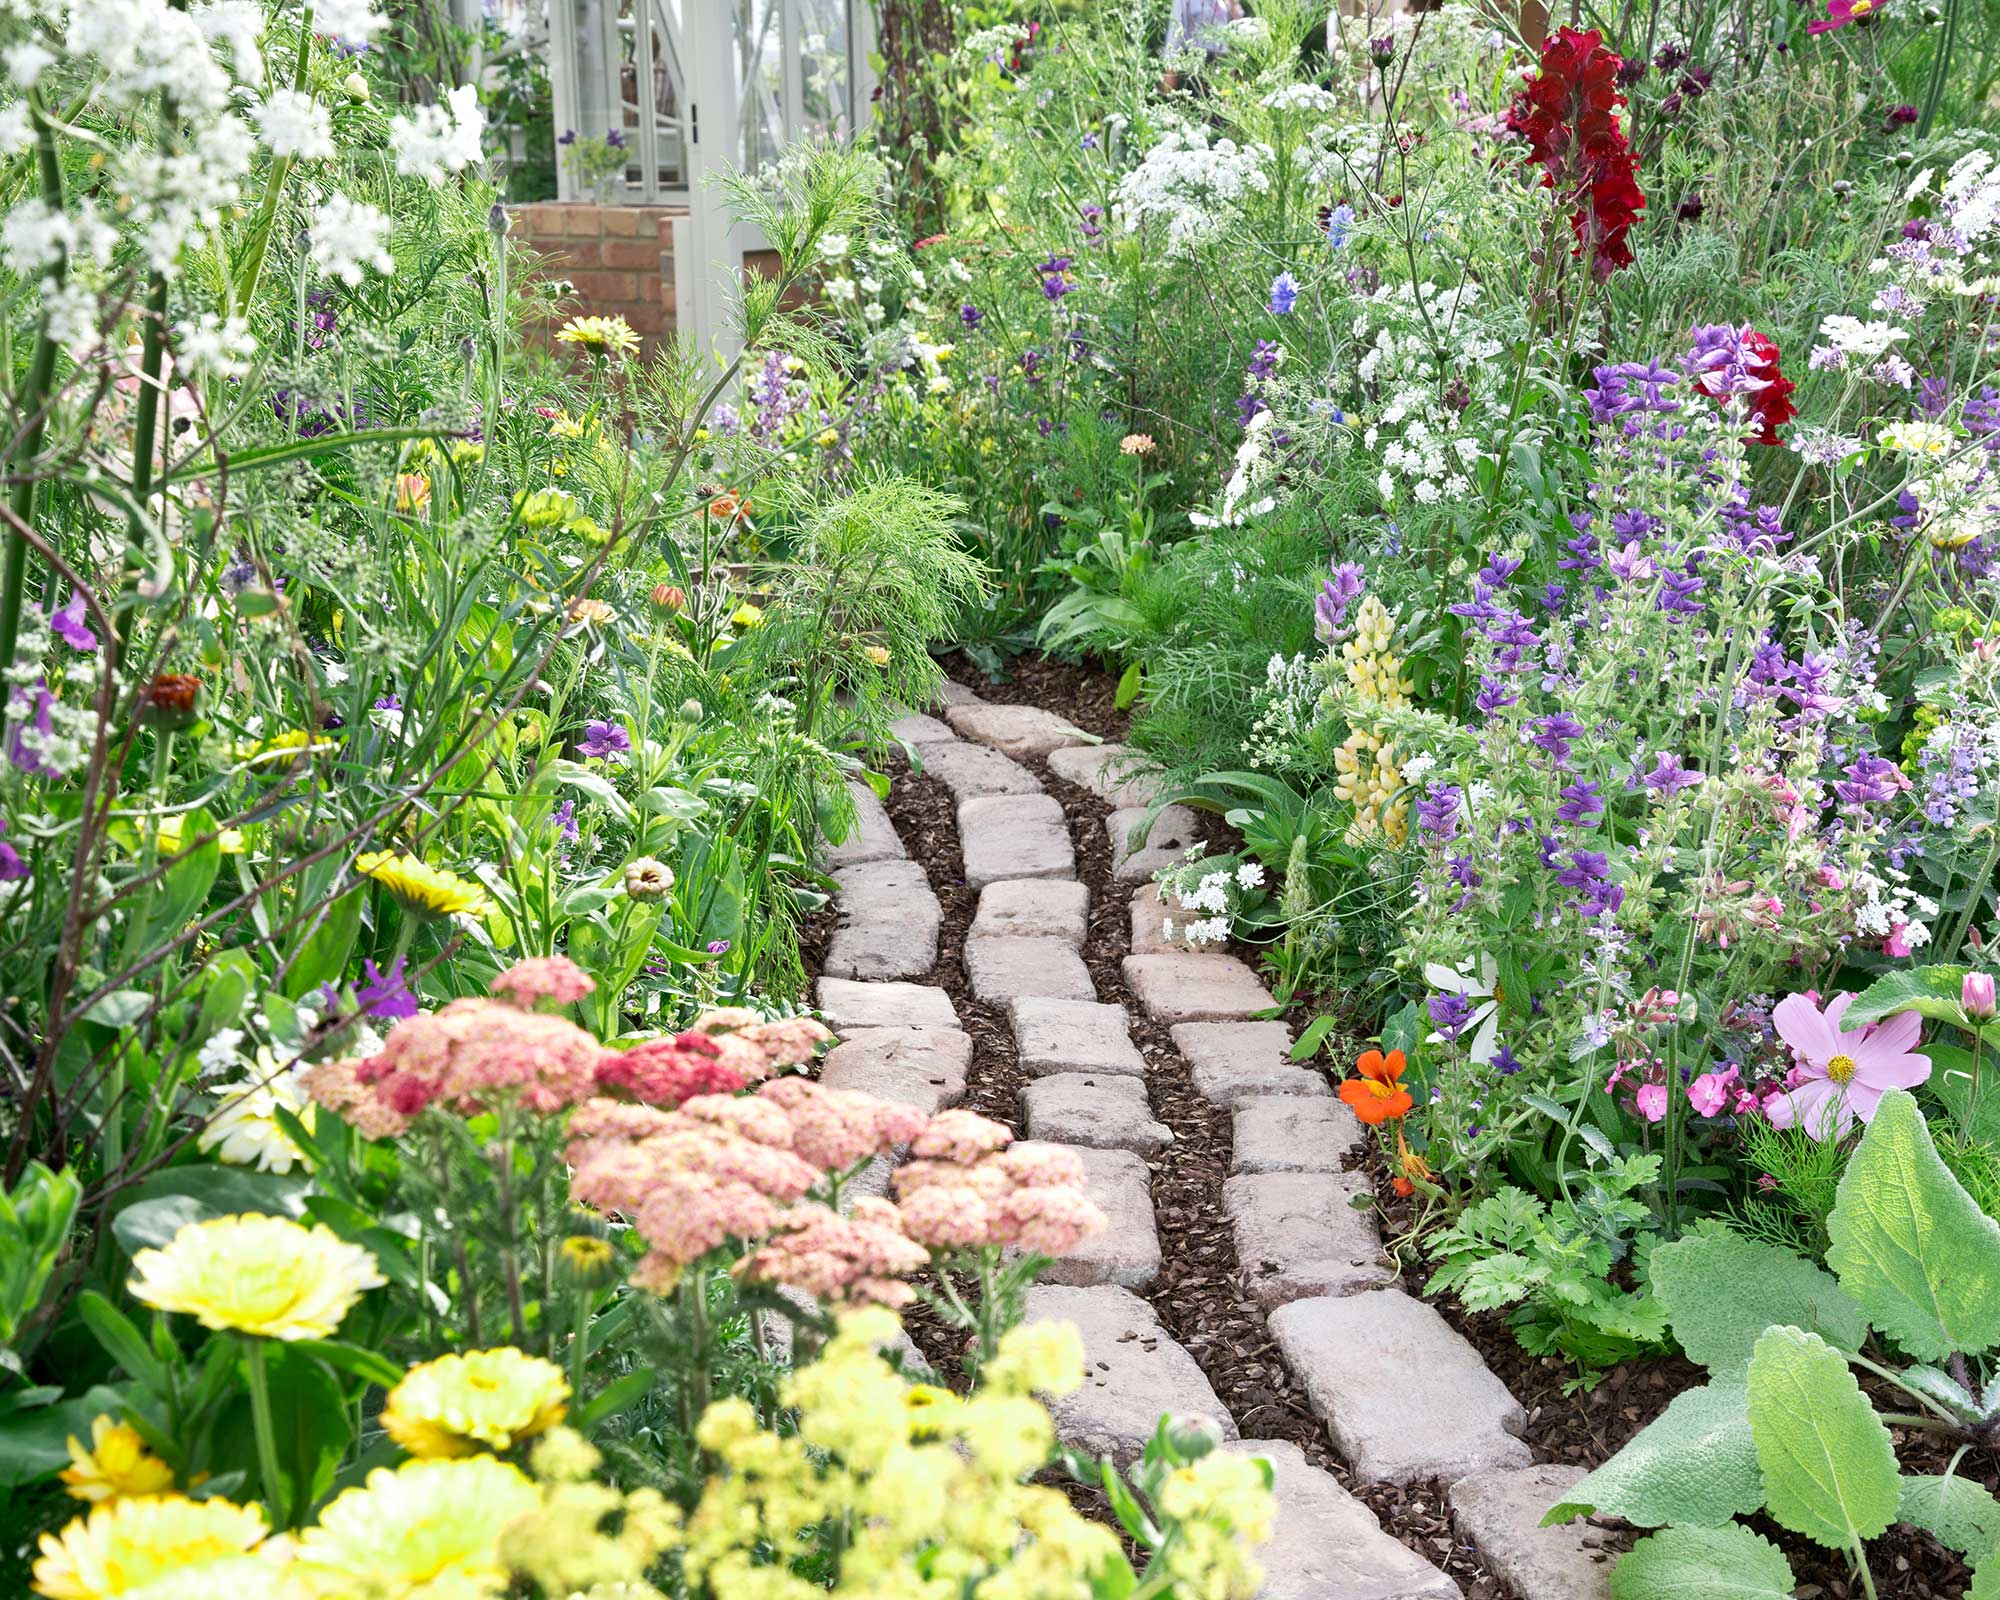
(1336, 594)
(67, 621)
(605, 739)
(385, 994)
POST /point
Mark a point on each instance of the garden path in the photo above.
(1159, 1059)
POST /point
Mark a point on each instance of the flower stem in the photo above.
(274, 184)
(267, 1436)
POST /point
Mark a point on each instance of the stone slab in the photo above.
(888, 922)
(847, 1005)
(1500, 1514)
(1134, 1373)
(1148, 915)
(1073, 1036)
(1327, 1545)
(922, 1067)
(1299, 1235)
(874, 836)
(1127, 1252)
(1196, 988)
(920, 730)
(1163, 845)
(1014, 836)
(1237, 1061)
(953, 693)
(1293, 1133)
(1116, 773)
(1002, 969)
(1459, 1420)
(1033, 908)
(972, 770)
(1015, 731)
(1106, 1113)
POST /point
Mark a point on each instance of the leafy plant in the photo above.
(1783, 1425)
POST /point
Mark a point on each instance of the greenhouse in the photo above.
(1000, 800)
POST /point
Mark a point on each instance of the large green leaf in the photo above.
(1985, 1579)
(168, 1201)
(1695, 1463)
(1911, 1245)
(1929, 991)
(1829, 1464)
(1721, 1291)
(1725, 1563)
(1956, 1510)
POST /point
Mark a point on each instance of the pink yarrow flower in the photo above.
(1841, 1074)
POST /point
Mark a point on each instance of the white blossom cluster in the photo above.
(1191, 187)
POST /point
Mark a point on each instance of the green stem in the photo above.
(579, 1348)
(274, 183)
(267, 1435)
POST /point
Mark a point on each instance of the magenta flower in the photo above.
(1842, 1073)
(1710, 1093)
(1651, 1101)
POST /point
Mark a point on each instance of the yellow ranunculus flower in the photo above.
(429, 1528)
(266, 1276)
(459, 1404)
(423, 891)
(116, 1466)
(124, 1546)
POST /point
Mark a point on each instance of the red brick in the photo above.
(634, 255)
(627, 222)
(608, 287)
(645, 318)
(580, 221)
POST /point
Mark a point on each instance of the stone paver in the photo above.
(1458, 1420)
(1011, 969)
(1107, 1113)
(888, 922)
(1149, 913)
(1327, 1545)
(1196, 988)
(1127, 1252)
(922, 1067)
(1014, 836)
(1134, 1373)
(1500, 1513)
(953, 693)
(1014, 730)
(972, 770)
(1299, 1235)
(1163, 845)
(1033, 908)
(1291, 1133)
(848, 1006)
(1116, 773)
(874, 836)
(1237, 1061)
(1073, 1036)
(920, 730)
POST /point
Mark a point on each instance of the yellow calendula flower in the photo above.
(116, 1465)
(879, 654)
(601, 336)
(173, 829)
(747, 616)
(128, 1544)
(282, 751)
(423, 891)
(266, 1276)
(459, 1404)
(429, 1528)
(564, 426)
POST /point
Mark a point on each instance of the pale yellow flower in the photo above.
(424, 891)
(457, 1404)
(120, 1548)
(116, 1466)
(600, 335)
(1137, 444)
(173, 829)
(266, 1276)
(430, 1530)
(245, 1132)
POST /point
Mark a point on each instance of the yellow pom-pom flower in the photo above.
(429, 1528)
(266, 1276)
(126, 1545)
(116, 1466)
(459, 1404)
(423, 891)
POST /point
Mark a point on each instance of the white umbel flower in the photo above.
(348, 236)
(294, 124)
(439, 139)
(215, 347)
(350, 21)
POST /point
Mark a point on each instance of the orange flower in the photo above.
(1415, 1168)
(1377, 1096)
(1403, 1187)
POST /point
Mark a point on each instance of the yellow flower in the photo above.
(266, 1276)
(173, 828)
(747, 616)
(545, 508)
(430, 1530)
(1918, 438)
(122, 1547)
(116, 1466)
(1037, 1358)
(413, 492)
(424, 891)
(564, 426)
(457, 1403)
(244, 1130)
(600, 335)
(288, 749)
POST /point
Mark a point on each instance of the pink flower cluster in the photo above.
(969, 1186)
(665, 1072)
(555, 979)
(844, 1260)
(756, 1048)
(476, 1055)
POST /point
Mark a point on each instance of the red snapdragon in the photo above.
(1568, 113)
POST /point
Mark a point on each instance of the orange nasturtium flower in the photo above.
(1378, 1096)
(1414, 1168)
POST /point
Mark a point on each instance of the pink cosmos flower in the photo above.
(1839, 13)
(1841, 1074)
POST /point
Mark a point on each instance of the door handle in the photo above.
(694, 124)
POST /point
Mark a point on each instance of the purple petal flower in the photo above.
(385, 994)
(70, 627)
(1284, 295)
(1580, 805)
(1668, 776)
(604, 739)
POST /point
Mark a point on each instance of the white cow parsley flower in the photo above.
(294, 124)
(348, 236)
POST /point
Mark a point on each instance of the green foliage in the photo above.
(1829, 1465)
(1720, 1291)
(1693, 1465)
(1722, 1563)
(1956, 1510)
